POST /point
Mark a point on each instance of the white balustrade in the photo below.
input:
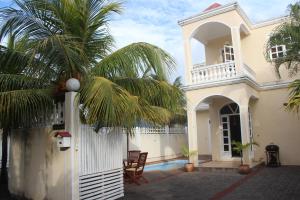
(219, 72)
(214, 72)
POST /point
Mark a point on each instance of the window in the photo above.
(231, 108)
(227, 53)
(277, 51)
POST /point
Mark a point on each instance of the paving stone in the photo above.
(268, 183)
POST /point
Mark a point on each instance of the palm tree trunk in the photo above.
(4, 175)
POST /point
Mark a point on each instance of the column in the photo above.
(72, 125)
(236, 43)
(245, 131)
(188, 61)
(192, 135)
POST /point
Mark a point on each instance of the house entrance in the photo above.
(231, 129)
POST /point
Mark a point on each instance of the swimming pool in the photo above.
(173, 164)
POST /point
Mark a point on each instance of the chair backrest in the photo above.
(134, 155)
(142, 160)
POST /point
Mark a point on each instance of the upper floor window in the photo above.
(277, 51)
(227, 53)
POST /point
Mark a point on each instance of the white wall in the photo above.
(158, 146)
(38, 169)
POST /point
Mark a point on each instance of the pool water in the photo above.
(174, 164)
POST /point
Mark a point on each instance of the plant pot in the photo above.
(189, 167)
(244, 169)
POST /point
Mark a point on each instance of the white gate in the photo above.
(100, 164)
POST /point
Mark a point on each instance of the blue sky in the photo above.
(155, 21)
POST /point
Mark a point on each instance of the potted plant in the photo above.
(189, 167)
(239, 147)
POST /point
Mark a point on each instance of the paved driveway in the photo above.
(264, 183)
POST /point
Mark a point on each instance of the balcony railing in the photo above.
(223, 71)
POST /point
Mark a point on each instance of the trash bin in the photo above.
(272, 153)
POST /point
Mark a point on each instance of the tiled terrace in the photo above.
(263, 183)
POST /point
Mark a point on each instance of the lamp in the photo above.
(73, 85)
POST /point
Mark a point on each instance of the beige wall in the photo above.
(253, 51)
(271, 123)
(213, 50)
(158, 146)
(203, 132)
(38, 169)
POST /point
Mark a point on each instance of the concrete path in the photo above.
(264, 183)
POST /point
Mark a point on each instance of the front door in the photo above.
(235, 132)
(226, 142)
(231, 129)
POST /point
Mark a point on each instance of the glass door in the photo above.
(226, 144)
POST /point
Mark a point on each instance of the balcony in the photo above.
(213, 73)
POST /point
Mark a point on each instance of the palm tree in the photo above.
(288, 34)
(61, 39)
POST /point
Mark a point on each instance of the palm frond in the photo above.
(111, 105)
(136, 60)
(294, 97)
(287, 34)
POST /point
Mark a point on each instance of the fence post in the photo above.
(167, 128)
(72, 124)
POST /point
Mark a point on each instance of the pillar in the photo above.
(72, 125)
(236, 43)
(192, 136)
(245, 130)
(188, 61)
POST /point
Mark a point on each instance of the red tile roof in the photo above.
(212, 6)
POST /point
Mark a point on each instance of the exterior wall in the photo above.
(203, 132)
(218, 97)
(271, 123)
(253, 51)
(158, 146)
(38, 169)
(213, 50)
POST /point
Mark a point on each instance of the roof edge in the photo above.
(229, 7)
(209, 13)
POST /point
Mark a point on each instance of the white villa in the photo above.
(236, 95)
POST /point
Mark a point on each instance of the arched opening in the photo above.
(231, 129)
(211, 42)
(209, 133)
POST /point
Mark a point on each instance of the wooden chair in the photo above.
(134, 173)
(133, 157)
